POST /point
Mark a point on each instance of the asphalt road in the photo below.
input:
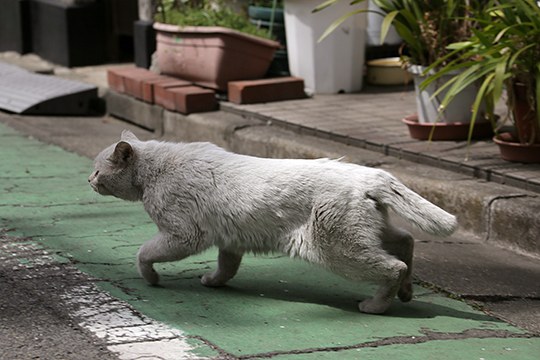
(33, 322)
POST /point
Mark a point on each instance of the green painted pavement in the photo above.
(275, 304)
(474, 349)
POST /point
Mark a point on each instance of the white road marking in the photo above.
(126, 332)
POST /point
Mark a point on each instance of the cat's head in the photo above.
(114, 170)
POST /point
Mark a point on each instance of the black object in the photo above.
(15, 26)
(144, 41)
(69, 35)
(80, 34)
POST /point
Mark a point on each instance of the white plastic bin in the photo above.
(335, 64)
(375, 21)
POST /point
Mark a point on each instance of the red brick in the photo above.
(194, 99)
(115, 77)
(133, 82)
(149, 85)
(266, 90)
(164, 97)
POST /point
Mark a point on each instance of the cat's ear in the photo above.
(128, 135)
(123, 154)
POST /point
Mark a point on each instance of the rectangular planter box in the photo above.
(212, 56)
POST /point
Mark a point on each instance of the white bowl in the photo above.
(387, 71)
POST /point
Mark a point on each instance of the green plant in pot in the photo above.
(427, 27)
(204, 41)
(208, 13)
(503, 54)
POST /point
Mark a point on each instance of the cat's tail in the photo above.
(414, 208)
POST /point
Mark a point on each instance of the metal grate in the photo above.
(24, 92)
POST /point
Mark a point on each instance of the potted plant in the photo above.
(427, 28)
(504, 54)
(210, 43)
(332, 66)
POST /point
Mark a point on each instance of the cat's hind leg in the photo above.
(228, 264)
(161, 248)
(400, 243)
(389, 272)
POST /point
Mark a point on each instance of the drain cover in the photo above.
(23, 92)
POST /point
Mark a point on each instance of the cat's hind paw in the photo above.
(405, 292)
(211, 280)
(372, 306)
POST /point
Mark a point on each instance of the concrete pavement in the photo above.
(473, 299)
(275, 307)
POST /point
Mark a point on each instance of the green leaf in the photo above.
(499, 74)
(338, 22)
(477, 103)
(324, 5)
(459, 45)
(387, 22)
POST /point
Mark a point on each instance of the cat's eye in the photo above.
(96, 173)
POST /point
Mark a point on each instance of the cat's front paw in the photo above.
(210, 279)
(372, 306)
(148, 273)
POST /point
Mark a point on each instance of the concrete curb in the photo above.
(482, 208)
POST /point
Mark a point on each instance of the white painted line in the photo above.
(126, 332)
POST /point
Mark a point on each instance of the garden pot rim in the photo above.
(393, 61)
(455, 131)
(412, 119)
(516, 152)
(418, 70)
(214, 30)
(497, 139)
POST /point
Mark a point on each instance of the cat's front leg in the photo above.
(228, 263)
(161, 248)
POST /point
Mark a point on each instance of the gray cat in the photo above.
(327, 212)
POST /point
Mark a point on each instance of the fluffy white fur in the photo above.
(327, 212)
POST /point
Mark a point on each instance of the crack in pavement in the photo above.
(46, 206)
(222, 354)
(401, 340)
(497, 298)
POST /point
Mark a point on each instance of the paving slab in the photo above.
(372, 119)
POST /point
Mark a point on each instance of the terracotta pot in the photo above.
(212, 56)
(446, 131)
(512, 150)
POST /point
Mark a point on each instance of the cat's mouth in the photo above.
(100, 189)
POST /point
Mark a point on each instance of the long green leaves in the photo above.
(505, 49)
(341, 19)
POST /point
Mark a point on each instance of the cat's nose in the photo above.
(93, 175)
